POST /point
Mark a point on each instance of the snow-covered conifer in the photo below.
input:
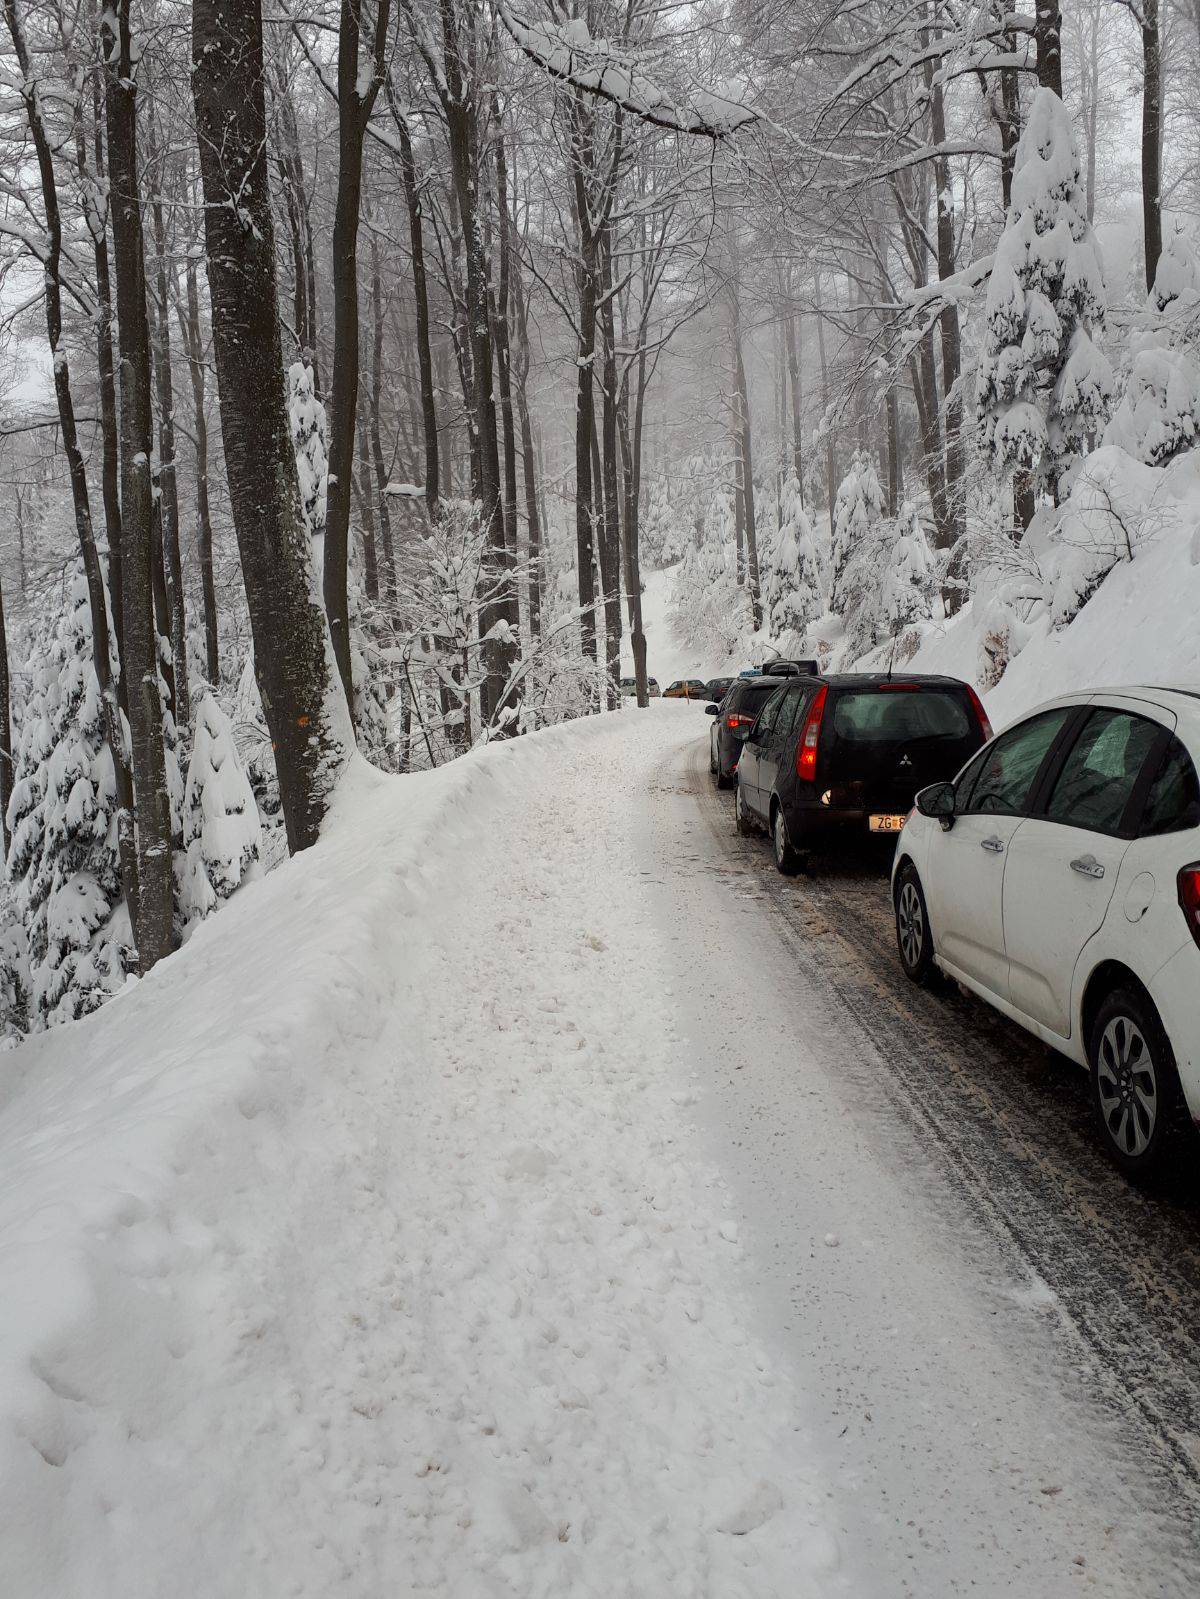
(222, 832)
(911, 581)
(1159, 414)
(792, 582)
(1044, 384)
(856, 513)
(253, 741)
(63, 863)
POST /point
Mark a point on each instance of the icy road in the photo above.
(527, 1194)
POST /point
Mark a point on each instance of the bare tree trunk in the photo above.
(153, 817)
(1047, 34)
(610, 542)
(6, 755)
(387, 552)
(1151, 137)
(528, 462)
(416, 237)
(830, 457)
(168, 482)
(193, 343)
(796, 385)
(745, 461)
(503, 344)
(302, 699)
(355, 102)
(95, 191)
(948, 321)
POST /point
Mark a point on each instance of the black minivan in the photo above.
(844, 755)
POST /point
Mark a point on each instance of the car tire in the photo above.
(914, 940)
(741, 816)
(787, 860)
(1136, 1095)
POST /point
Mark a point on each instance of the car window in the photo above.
(766, 717)
(882, 715)
(1012, 763)
(789, 712)
(1173, 802)
(1096, 782)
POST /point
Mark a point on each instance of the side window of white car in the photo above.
(1096, 784)
(1011, 766)
(1173, 802)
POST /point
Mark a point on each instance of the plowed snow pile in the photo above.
(363, 1249)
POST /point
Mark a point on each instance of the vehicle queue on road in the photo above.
(1052, 870)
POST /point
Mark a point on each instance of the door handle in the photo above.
(1087, 866)
(996, 845)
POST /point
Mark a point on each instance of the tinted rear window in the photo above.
(879, 716)
(752, 696)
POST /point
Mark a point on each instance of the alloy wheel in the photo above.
(910, 924)
(1127, 1085)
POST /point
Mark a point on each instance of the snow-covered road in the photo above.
(511, 1198)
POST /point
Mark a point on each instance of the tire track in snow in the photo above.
(1008, 1124)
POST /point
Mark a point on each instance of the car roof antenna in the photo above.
(892, 656)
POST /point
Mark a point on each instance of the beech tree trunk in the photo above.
(1047, 34)
(746, 465)
(354, 111)
(1151, 137)
(303, 702)
(416, 235)
(193, 343)
(155, 897)
(168, 477)
(610, 541)
(387, 554)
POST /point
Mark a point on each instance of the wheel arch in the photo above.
(1107, 976)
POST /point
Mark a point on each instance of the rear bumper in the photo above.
(824, 821)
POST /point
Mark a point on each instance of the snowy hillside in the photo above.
(328, 1253)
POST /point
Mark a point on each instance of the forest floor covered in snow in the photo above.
(367, 1246)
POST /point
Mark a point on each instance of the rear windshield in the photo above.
(751, 696)
(876, 716)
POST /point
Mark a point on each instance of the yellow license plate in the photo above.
(886, 824)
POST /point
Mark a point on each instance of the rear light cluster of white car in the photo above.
(1189, 898)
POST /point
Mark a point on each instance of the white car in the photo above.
(1058, 877)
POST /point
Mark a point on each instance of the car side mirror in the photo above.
(712, 710)
(937, 801)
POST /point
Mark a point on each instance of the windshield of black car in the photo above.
(882, 715)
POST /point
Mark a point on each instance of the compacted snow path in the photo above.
(367, 1248)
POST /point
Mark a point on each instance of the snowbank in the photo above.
(1139, 626)
(362, 1248)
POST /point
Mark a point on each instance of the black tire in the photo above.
(787, 859)
(742, 819)
(914, 940)
(1139, 1104)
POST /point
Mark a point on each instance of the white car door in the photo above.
(966, 863)
(1063, 861)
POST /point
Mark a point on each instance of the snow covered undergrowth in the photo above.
(362, 1248)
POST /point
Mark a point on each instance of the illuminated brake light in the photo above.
(977, 705)
(806, 750)
(1189, 899)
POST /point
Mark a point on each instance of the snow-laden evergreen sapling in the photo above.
(1044, 385)
(1159, 414)
(792, 587)
(221, 830)
(910, 584)
(857, 512)
(63, 863)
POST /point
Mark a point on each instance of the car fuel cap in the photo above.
(1137, 901)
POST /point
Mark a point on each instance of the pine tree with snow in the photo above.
(857, 512)
(910, 584)
(792, 587)
(222, 832)
(253, 741)
(1159, 414)
(64, 863)
(1044, 385)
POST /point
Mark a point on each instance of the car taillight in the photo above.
(737, 721)
(806, 750)
(977, 706)
(1189, 899)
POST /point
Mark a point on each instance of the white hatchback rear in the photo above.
(1058, 877)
